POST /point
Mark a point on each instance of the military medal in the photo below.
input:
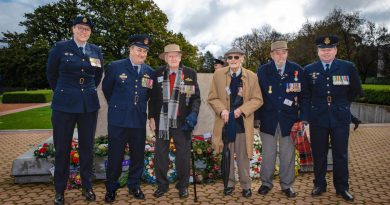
(95, 62)
(147, 82)
(123, 77)
(296, 75)
(270, 89)
(296, 100)
(287, 87)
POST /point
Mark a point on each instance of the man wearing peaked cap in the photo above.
(83, 20)
(234, 96)
(140, 40)
(127, 88)
(328, 41)
(173, 113)
(280, 82)
(329, 87)
(74, 70)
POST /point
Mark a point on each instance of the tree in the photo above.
(26, 53)
(206, 62)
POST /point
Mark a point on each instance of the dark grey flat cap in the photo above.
(234, 50)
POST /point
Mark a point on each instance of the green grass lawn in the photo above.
(371, 86)
(38, 118)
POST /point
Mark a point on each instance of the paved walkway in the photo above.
(6, 109)
(369, 177)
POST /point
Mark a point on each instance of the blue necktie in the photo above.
(81, 49)
(280, 71)
(326, 67)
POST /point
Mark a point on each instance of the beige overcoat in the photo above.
(219, 100)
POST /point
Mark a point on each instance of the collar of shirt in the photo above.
(80, 45)
(283, 67)
(238, 72)
(323, 64)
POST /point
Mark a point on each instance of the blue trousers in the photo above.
(319, 137)
(118, 137)
(63, 127)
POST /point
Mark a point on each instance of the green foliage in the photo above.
(376, 94)
(378, 81)
(23, 60)
(206, 62)
(38, 118)
(35, 96)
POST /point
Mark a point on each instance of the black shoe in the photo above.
(228, 191)
(89, 195)
(247, 193)
(356, 124)
(346, 195)
(110, 196)
(183, 193)
(137, 193)
(159, 193)
(59, 199)
(317, 191)
(263, 190)
(289, 192)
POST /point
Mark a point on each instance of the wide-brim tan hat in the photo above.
(279, 45)
(170, 48)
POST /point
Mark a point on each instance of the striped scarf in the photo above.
(168, 113)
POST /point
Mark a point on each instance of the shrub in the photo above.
(378, 80)
(376, 94)
(35, 96)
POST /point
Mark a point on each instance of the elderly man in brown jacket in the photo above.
(235, 94)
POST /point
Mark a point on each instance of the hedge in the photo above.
(376, 94)
(34, 96)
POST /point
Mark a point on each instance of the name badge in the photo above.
(160, 79)
(95, 62)
(287, 102)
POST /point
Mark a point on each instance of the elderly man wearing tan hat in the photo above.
(280, 82)
(173, 113)
(235, 96)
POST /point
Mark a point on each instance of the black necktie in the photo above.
(81, 49)
(234, 75)
(280, 71)
(326, 67)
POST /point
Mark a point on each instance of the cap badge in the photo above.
(146, 41)
(85, 20)
(327, 41)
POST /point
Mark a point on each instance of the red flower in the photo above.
(216, 167)
(42, 150)
(45, 145)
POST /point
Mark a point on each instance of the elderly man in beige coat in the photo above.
(235, 93)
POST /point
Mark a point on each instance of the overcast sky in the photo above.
(213, 24)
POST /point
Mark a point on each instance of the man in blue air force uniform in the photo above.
(126, 86)
(74, 70)
(280, 82)
(330, 85)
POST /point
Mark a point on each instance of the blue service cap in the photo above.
(327, 41)
(83, 20)
(140, 40)
(218, 61)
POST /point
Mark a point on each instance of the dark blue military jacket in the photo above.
(127, 93)
(327, 96)
(74, 76)
(281, 95)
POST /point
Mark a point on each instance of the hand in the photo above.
(190, 122)
(256, 124)
(225, 115)
(152, 124)
(305, 123)
(237, 113)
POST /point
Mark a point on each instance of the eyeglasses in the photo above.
(235, 57)
(83, 29)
